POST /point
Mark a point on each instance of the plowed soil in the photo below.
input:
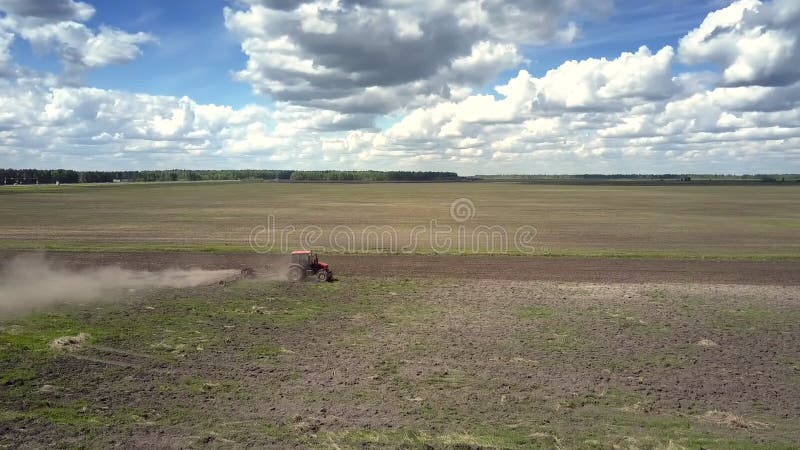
(595, 270)
(432, 363)
(416, 352)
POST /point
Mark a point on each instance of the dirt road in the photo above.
(600, 270)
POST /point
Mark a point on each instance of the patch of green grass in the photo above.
(421, 346)
(670, 361)
(180, 318)
(591, 425)
(255, 433)
(614, 398)
(674, 358)
(16, 376)
(265, 351)
(201, 386)
(66, 416)
(299, 311)
(449, 379)
(753, 318)
(202, 322)
(572, 291)
(297, 303)
(627, 319)
(177, 324)
(357, 337)
(627, 322)
(617, 419)
(391, 302)
(632, 325)
(784, 223)
(554, 337)
(25, 348)
(535, 312)
(562, 342)
(276, 430)
(741, 444)
(385, 368)
(33, 333)
(78, 415)
(176, 327)
(415, 439)
(655, 294)
(676, 439)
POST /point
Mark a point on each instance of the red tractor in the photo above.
(304, 263)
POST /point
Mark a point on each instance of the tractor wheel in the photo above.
(323, 275)
(295, 273)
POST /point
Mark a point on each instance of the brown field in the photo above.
(640, 221)
(412, 363)
(689, 337)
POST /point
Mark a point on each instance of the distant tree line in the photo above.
(32, 176)
(771, 178)
(27, 176)
(371, 175)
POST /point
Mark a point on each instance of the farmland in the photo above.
(652, 221)
(645, 317)
(376, 362)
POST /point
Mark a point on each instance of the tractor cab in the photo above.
(302, 257)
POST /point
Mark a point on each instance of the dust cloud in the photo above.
(278, 268)
(31, 282)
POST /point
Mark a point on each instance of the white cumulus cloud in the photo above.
(755, 43)
(407, 84)
(55, 27)
(376, 57)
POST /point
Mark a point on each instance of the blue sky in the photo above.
(326, 84)
(196, 54)
(630, 25)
